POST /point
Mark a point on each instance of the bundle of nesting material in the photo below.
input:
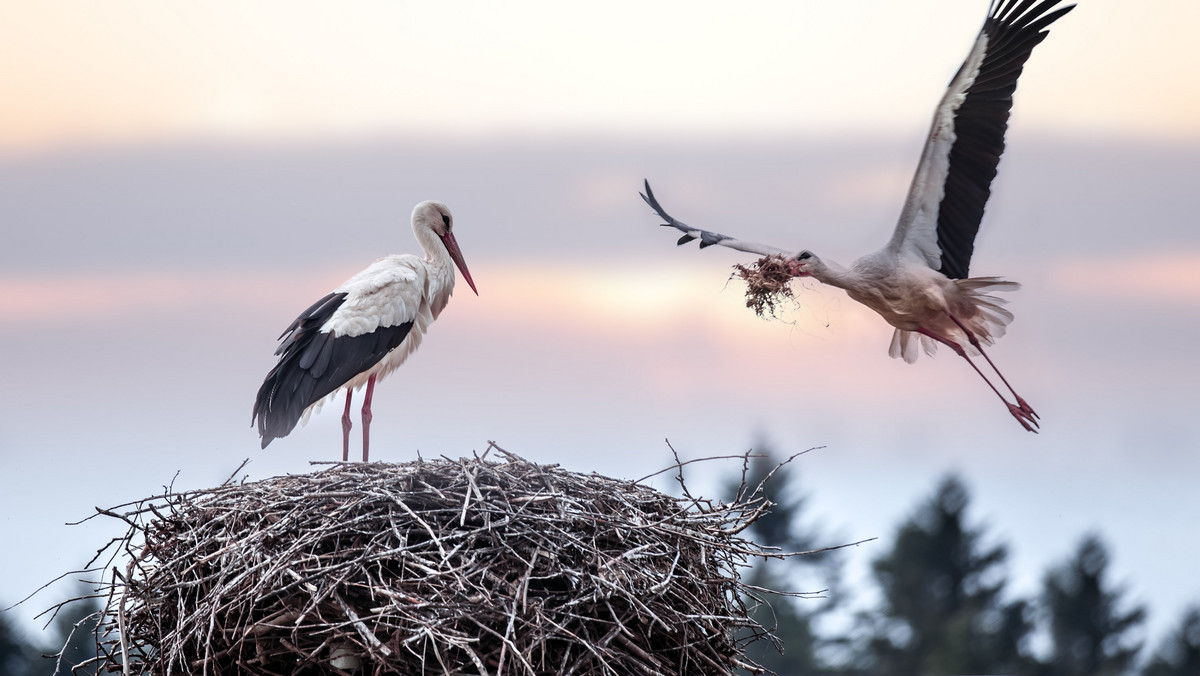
(767, 284)
(471, 566)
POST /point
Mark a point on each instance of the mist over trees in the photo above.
(943, 606)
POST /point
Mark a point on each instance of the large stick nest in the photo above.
(473, 566)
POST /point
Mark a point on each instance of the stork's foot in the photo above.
(1027, 409)
(1024, 415)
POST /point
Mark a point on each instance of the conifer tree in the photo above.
(1179, 655)
(943, 607)
(793, 620)
(1089, 630)
(16, 655)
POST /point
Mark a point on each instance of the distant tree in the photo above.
(72, 632)
(795, 648)
(943, 610)
(792, 619)
(1089, 631)
(1179, 654)
(16, 654)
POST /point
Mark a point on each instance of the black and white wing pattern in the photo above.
(707, 237)
(953, 180)
(340, 340)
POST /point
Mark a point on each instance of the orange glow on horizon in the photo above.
(133, 71)
(678, 327)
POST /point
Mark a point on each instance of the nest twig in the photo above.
(470, 566)
(767, 284)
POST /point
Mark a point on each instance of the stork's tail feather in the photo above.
(985, 314)
(977, 309)
(907, 345)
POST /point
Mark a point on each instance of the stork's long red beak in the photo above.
(456, 255)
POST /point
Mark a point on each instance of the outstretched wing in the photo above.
(953, 180)
(707, 237)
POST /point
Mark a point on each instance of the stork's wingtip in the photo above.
(1064, 9)
(648, 196)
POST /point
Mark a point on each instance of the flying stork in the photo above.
(361, 331)
(919, 281)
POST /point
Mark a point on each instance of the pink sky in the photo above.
(177, 181)
(140, 307)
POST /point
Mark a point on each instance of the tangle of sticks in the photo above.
(768, 284)
(471, 566)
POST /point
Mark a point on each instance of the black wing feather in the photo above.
(707, 238)
(312, 364)
(1013, 30)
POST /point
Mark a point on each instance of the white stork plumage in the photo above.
(361, 331)
(919, 281)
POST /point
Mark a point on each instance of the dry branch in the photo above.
(466, 566)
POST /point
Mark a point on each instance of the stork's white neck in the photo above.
(439, 265)
(431, 244)
(831, 273)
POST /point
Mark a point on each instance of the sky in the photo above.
(178, 180)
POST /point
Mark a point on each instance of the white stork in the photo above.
(361, 331)
(919, 281)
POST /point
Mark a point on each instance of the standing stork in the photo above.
(919, 281)
(361, 331)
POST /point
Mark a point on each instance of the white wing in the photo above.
(952, 184)
(387, 293)
(367, 326)
(707, 237)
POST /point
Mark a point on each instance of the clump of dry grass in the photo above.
(470, 566)
(767, 284)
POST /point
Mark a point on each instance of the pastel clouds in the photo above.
(1154, 279)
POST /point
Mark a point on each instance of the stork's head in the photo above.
(436, 217)
(803, 263)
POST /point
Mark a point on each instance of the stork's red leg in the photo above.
(1022, 416)
(346, 425)
(366, 416)
(1025, 408)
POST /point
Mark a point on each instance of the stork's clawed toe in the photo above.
(1027, 409)
(1024, 415)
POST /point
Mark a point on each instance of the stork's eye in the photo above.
(804, 256)
(446, 220)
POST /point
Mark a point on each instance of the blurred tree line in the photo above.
(942, 606)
